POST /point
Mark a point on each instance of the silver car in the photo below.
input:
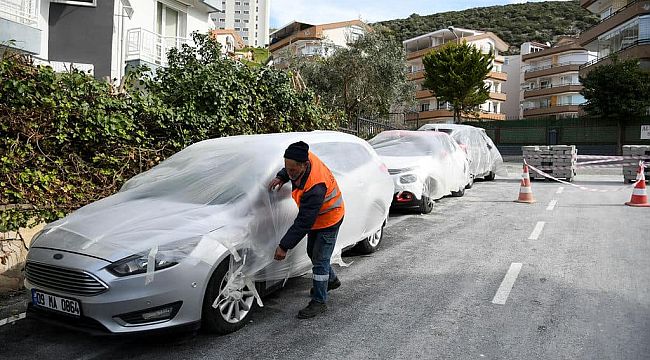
(191, 241)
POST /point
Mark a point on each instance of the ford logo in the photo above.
(58, 256)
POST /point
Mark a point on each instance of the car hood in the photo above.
(404, 162)
(112, 230)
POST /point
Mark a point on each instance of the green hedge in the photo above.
(67, 139)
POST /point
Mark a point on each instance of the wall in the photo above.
(13, 253)
(512, 87)
(82, 34)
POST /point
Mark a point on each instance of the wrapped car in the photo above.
(485, 161)
(425, 166)
(191, 241)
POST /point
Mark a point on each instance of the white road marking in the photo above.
(12, 319)
(506, 285)
(537, 230)
(551, 205)
(560, 190)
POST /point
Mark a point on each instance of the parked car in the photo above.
(485, 161)
(425, 166)
(191, 241)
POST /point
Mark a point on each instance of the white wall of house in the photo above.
(512, 67)
(43, 21)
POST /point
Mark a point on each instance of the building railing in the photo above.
(548, 106)
(146, 45)
(550, 86)
(544, 67)
(618, 11)
(21, 11)
(639, 42)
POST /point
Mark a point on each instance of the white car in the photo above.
(191, 241)
(425, 166)
(485, 161)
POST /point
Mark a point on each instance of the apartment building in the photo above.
(624, 30)
(302, 39)
(550, 84)
(250, 18)
(512, 106)
(105, 35)
(432, 110)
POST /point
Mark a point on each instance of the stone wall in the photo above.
(13, 252)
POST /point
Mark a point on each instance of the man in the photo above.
(320, 215)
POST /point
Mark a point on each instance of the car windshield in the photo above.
(196, 176)
(407, 144)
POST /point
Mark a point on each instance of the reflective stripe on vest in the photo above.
(333, 208)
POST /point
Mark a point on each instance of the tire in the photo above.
(470, 183)
(370, 244)
(214, 320)
(458, 193)
(490, 176)
(426, 205)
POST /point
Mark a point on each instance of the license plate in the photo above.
(56, 303)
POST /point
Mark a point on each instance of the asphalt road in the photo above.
(582, 291)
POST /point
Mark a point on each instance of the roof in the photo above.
(238, 39)
(443, 32)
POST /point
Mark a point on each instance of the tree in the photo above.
(456, 73)
(367, 78)
(620, 90)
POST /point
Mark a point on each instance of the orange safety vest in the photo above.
(333, 208)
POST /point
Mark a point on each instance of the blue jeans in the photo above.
(320, 245)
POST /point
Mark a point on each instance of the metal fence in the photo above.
(592, 136)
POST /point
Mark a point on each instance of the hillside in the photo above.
(515, 23)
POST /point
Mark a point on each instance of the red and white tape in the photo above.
(584, 188)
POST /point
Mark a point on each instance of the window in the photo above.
(245, 29)
(255, 26)
(237, 20)
(246, 38)
(246, 21)
(246, 12)
(237, 29)
(237, 12)
(246, 4)
(255, 42)
(237, 3)
(77, 2)
(222, 20)
(256, 34)
(506, 61)
(424, 107)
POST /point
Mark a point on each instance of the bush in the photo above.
(67, 139)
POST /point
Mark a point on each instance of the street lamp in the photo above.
(451, 28)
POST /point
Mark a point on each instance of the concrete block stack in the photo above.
(556, 160)
(639, 152)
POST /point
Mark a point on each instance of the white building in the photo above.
(302, 39)
(106, 35)
(250, 18)
(434, 111)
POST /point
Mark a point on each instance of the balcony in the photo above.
(547, 70)
(423, 94)
(639, 49)
(19, 25)
(552, 110)
(416, 75)
(497, 75)
(553, 90)
(501, 96)
(449, 114)
(631, 10)
(146, 46)
(20, 11)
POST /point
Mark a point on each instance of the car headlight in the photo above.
(407, 179)
(137, 264)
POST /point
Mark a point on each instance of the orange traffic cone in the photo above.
(525, 190)
(639, 195)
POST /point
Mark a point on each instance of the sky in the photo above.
(326, 11)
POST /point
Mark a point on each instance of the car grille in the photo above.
(394, 171)
(65, 280)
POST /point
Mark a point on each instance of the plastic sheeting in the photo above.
(422, 163)
(483, 155)
(212, 198)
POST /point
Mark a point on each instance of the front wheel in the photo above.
(228, 301)
(371, 243)
(470, 183)
(490, 176)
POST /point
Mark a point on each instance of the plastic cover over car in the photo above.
(422, 163)
(483, 154)
(213, 195)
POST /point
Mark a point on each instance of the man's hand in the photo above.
(277, 182)
(279, 254)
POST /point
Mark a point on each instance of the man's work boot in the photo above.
(313, 308)
(330, 286)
